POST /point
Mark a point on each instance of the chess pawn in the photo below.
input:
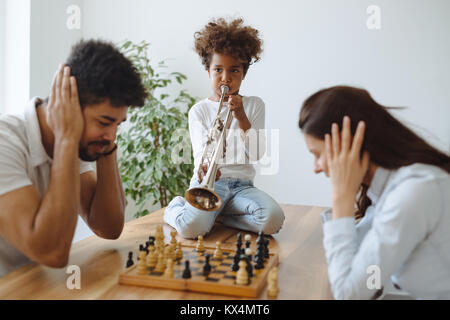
(171, 253)
(206, 266)
(179, 252)
(272, 279)
(218, 252)
(159, 236)
(200, 247)
(248, 258)
(130, 259)
(187, 271)
(173, 239)
(151, 257)
(142, 266)
(242, 274)
(166, 255)
(158, 233)
(160, 264)
(169, 269)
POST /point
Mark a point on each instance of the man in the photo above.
(45, 181)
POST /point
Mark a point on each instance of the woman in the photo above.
(401, 186)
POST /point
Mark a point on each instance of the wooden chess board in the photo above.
(221, 280)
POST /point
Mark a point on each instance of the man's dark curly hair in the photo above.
(233, 38)
(103, 72)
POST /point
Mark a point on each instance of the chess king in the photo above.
(46, 175)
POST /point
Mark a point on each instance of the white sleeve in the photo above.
(255, 138)
(397, 228)
(198, 132)
(13, 173)
(85, 166)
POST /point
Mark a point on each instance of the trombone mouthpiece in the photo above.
(224, 89)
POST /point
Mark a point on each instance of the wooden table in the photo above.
(302, 270)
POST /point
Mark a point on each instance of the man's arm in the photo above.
(103, 199)
(42, 229)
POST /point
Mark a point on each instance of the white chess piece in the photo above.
(272, 279)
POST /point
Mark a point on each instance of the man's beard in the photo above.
(84, 155)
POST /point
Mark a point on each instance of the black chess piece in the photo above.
(247, 244)
(141, 248)
(248, 256)
(260, 239)
(259, 258)
(130, 259)
(235, 264)
(238, 251)
(239, 241)
(259, 263)
(249, 267)
(260, 251)
(266, 248)
(187, 270)
(206, 266)
(151, 239)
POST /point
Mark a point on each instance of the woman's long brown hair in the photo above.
(391, 144)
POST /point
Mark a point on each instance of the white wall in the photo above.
(50, 44)
(16, 63)
(2, 54)
(50, 41)
(308, 45)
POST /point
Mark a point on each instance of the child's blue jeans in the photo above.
(244, 207)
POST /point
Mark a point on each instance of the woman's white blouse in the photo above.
(404, 237)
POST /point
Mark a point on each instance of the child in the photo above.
(227, 50)
(404, 204)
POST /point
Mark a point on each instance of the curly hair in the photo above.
(233, 38)
(103, 72)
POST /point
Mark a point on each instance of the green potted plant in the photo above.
(155, 160)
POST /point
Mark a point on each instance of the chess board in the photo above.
(221, 280)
